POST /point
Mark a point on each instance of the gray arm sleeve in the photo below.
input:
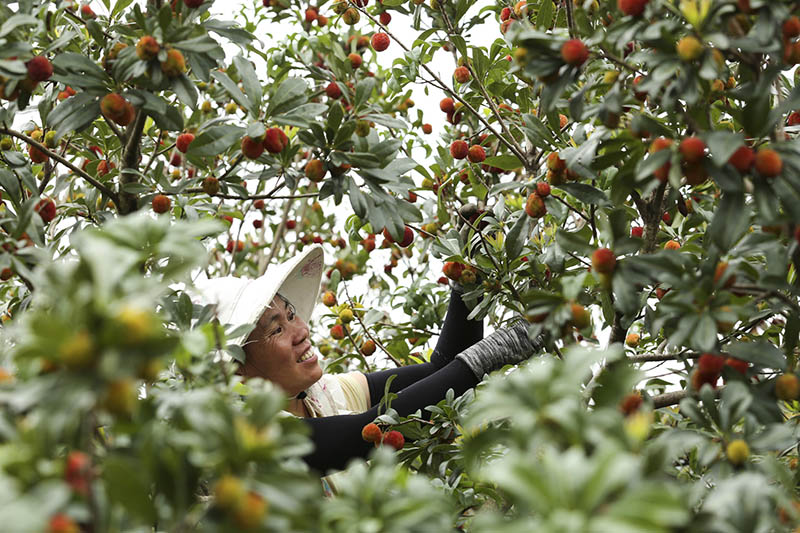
(509, 345)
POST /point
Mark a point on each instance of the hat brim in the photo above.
(241, 302)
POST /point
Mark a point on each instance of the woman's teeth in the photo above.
(306, 356)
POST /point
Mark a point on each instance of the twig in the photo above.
(452, 93)
(647, 358)
(366, 331)
(249, 197)
(21, 136)
(570, 19)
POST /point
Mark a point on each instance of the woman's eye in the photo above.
(275, 331)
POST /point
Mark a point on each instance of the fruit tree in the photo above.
(624, 174)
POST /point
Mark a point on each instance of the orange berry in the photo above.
(371, 433)
(161, 203)
(768, 163)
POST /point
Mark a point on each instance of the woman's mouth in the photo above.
(306, 356)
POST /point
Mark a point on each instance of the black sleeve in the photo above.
(406, 375)
(458, 333)
(337, 439)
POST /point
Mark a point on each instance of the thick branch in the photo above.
(130, 164)
(669, 398)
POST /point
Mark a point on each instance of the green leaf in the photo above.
(215, 140)
(363, 92)
(517, 236)
(731, 220)
(15, 21)
(386, 120)
(648, 166)
(761, 353)
(288, 95)
(586, 193)
(127, 485)
(74, 113)
(238, 96)
(704, 336)
(301, 116)
(357, 200)
(252, 86)
(722, 144)
(505, 162)
(186, 91)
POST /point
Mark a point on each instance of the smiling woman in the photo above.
(278, 348)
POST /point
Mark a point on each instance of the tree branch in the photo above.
(21, 136)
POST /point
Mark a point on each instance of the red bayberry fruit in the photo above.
(791, 27)
(743, 159)
(738, 365)
(462, 75)
(211, 186)
(574, 52)
(447, 105)
(46, 208)
(408, 237)
(693, 149)
(543, 189)
(355, 61)
(453, 270)
(632, 7)
(368, 347)
(77, 471)
(315, 170)
(183, 141)
(394, 439)
(380, 42)
(252, 148)
(333, 90)
(39, 69)
(630, 403)
(603, 261)
(476, 153)
(337, 332)
(275, 140)
(459, 149)
(117, 109)
(161, 203)
(534, 206)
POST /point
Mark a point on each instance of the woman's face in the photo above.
(278, 349)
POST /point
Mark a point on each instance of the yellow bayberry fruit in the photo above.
(737, 452)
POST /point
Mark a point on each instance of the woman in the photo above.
(337, 407)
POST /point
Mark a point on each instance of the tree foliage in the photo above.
(624, 174)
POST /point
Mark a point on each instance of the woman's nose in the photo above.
(300, 331)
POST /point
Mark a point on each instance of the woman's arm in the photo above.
(457, 335)
(337, 439)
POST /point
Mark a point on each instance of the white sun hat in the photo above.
(240, 302)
